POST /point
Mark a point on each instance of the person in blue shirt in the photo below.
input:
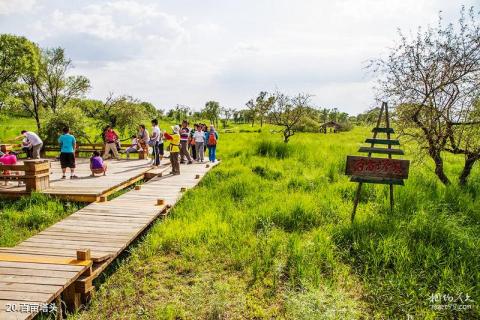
(68, 144)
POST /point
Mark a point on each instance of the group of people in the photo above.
(186, 145)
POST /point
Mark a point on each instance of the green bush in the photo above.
(71, 117)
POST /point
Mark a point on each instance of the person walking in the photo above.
(174, 149)
(156, 142)
(184, 134)
(35, 141)
(68, 144)
(199, 137)
(111, 139)
(211, 138)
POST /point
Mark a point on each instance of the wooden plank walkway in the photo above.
(120, 174)
(36, 270)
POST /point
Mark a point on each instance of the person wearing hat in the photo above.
(174, 149)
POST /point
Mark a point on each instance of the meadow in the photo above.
(267, 234)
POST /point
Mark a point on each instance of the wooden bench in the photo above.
(36, 174)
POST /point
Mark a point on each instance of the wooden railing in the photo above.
(36, 174)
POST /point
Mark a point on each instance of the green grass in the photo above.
(267, 234)
(23, 218)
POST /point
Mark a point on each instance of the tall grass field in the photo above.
(267, 235)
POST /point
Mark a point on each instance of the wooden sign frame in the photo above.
(378, 170)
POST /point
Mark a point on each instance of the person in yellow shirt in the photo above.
(174, 149)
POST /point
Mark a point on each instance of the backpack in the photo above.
(212, 140)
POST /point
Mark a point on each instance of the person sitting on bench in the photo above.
(97, 165)
(135, 147)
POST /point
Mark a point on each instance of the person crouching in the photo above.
(97, 166)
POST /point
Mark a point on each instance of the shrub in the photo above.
(72, 117)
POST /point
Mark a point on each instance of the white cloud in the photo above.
(170, 52)
(116, 20)
(16, 6)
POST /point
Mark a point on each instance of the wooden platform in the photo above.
(120, 174)
(39, 269)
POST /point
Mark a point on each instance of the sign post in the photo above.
(378, 170)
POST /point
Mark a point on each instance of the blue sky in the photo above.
(189, 52)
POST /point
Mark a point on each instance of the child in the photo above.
(97, 165)
(135, 147)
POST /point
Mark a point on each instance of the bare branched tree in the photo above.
(287, 112)
(434, 80)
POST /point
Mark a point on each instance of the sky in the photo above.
(189, 52)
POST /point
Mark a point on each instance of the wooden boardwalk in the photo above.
(120, 174)
(45, 266)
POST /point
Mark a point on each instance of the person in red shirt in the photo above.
(111, 139)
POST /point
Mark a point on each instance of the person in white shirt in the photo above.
(199, 137)
(35, 141)
(156, 142)
(134, 147)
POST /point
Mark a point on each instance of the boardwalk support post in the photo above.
(37, 175)
(72, 295)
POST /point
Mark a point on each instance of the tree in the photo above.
(123, 113)
(180, 112)
(73, 118)
(18, 56)
(212, 111)
(58, 88)
(227, 114)
(369, 117)
(264, 104)
(433, 79)
(30, 96)
(252, 110)
(287, 112)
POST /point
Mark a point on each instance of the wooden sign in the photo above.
(378, 170)
(377, 167)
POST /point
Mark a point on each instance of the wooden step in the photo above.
(377, 180)
(381, 150)
(383, 141)
(383, 130)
